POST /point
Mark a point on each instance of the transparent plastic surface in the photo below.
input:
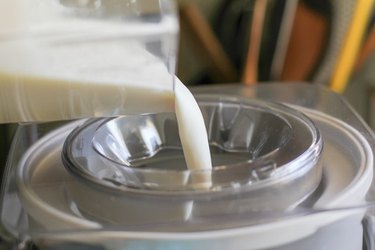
(66, 59)
(44, 201)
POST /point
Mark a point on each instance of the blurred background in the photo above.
(326, 42)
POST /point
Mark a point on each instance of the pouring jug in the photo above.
(68, 59)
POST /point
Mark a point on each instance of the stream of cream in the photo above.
(53, 68)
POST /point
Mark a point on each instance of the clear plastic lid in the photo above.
(266, 156)
(112, 192)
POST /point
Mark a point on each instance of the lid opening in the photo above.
(253, 145)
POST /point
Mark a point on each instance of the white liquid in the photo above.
(193, 135)
(54, 68)
(44, 78)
